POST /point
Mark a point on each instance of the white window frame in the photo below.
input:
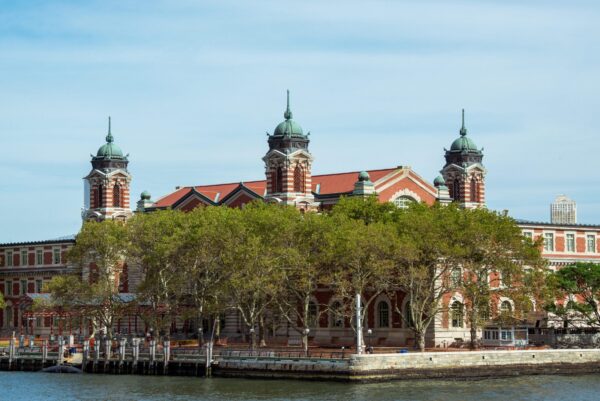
(10, 261)
(24, 260)
(528, 234)
(39, 284)
(8, 288)
(587, 248)
(39, 257)
(23, 288)
(54, 259)
(552, 246)
(574, 242)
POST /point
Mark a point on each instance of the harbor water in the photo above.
(46, 386)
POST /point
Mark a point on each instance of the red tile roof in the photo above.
(327, 184)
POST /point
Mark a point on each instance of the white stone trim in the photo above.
(405, 192)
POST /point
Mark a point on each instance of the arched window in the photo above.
(408, 319)
(474, 190)
(99, 193)
(403, 201)
(456, 190)
(313, 314)
(456, 314)
(279, 180)
(505, 308)
(117, 195)
(298, 179)
(336, 316)
(383, 314)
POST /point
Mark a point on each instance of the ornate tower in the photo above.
(107, 185)
(463, 174)
(288, 164)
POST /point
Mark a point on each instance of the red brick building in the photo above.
(288, 162)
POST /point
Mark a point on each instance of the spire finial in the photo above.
(463, 130)
(109, 137)
(288, 113)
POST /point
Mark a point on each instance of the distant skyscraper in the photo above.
(563, 211)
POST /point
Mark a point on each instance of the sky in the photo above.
(192, 87)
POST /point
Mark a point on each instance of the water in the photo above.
(46, 386)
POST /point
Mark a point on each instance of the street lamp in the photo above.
(306, 331)
(369, 332)
(200, 337)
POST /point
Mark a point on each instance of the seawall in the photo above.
(379, 367)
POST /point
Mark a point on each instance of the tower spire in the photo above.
(463, 130)
(109, 137)
(288, 113)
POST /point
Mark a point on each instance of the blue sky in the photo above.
(192, 86)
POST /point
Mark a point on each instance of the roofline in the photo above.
(559, 225)
(70, 240)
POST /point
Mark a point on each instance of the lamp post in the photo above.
(305, 340)
(200, 337)
(369, 332)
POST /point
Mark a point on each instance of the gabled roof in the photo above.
(323, 186)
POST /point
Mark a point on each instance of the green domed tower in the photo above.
(107, 185)
(288, 164)
(463, 173)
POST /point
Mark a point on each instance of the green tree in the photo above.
(425, 254)
(359, 255)
(491, 244)
(208, 236)
(92, 289)
(303, 272)
(154, 244)
(256, 260)
(581, 280)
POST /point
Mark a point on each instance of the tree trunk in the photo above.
(420, 341)
(473, 319)
(262, 331)
(305, 342)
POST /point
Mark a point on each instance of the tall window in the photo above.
(9, 316)
(9, 258)
(383, 314)
(99, 192)
(39, 257)
(38, 286)
(474, 191)
(117, 195)
(456, 189)
(408, 315)
(298, 179)
(549, 242)
(56, 256)
(24, 258)
(570, 240)
(279, 180)
(313, 314)
(591, 243)
(9, 288)
(336, 317)
(456, 314)
(23, 287)
(456, 277)
(274, 181)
